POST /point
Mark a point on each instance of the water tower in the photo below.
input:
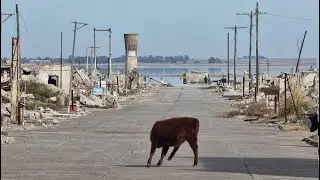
(131, 56)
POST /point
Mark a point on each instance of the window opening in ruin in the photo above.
(53, 79)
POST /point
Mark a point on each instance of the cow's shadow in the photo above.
(152, 166)
(293, 167)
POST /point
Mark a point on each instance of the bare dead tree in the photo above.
(133, 75)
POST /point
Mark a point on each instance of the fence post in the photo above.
(72, 100)
(285, 97)
(275, 104)
(118, 89)
(243, 84)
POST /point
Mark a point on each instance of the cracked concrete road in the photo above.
(114, 144)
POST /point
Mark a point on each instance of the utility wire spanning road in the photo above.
(114, 144)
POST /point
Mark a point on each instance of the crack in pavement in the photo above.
(243, 159)
(120, 160)
(232, 148)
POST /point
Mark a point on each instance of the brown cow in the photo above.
(173, 132)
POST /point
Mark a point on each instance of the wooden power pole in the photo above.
(15, 85)
(257, 52)
(60, 79)
(235, 53)
(251, 15)
(228, 58)
(16, 76)
(300, 51)
(76, 27)
(18, 37)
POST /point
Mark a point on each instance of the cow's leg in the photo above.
(194, 146)
(163, 153)
(152, 151)
(175, 149)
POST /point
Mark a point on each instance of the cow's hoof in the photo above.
(195, 165)
(158, 164)
(148, 165)
(169, 158)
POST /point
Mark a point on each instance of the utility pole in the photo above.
(60, 60)
(235, 52)
(91, 57)
(15, 93)
(109, 62)
(257, 13)
(18, 38)
(268, 66)
(72, 57)
(91, 63)
(250, 46)
(87, 57)
(257, 51)
(251, 15)
(228, 58)
(300, 51)
(17, 55)
(94, 45)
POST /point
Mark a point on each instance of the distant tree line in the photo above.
(214, 60)
(253, 57)
(141, 59)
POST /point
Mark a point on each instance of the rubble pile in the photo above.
(6, 139)
(43, 100)
(143, 89)
(304, 88)
(81, 81)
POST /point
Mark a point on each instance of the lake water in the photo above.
(168, 73)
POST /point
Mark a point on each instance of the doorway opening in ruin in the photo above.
(53, 79)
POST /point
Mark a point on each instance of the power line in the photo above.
(289, 17)
(24, 23)
(7, 16)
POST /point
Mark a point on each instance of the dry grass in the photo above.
(254, 109)
(301, 102)
(295, 127)
(32, 105)
(257, 109)
(233, 113)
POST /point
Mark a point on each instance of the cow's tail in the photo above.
(196, 124)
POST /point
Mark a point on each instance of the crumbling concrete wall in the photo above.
(42, 73)
(196, 77)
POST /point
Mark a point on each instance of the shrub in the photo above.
(40, 91)
(301, 102)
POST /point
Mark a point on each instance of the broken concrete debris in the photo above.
(304, 90)
(43, 95)
(6, 139)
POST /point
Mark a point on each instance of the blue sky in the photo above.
(165, 27)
